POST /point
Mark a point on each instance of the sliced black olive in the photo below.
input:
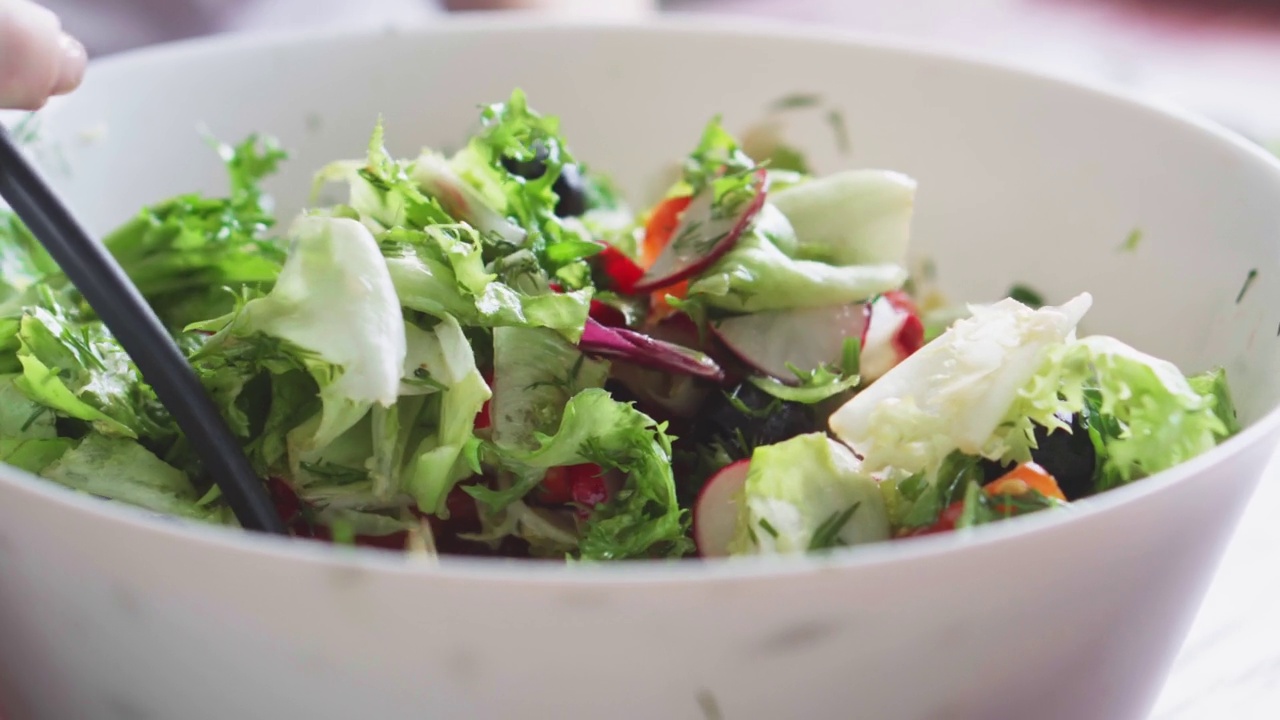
(571, 188)
(531, 169)
(1069, 457)
(747, 414)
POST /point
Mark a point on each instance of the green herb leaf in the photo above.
(1026, 296)
(828, 533)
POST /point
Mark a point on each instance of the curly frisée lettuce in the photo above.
(1146, 415)
(486, 352)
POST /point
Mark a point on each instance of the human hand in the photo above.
(37, 59)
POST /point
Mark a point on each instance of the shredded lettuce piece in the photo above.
(813, 387)
(382, 191)
(807, 493)
(23, 262)
(451, 452)
(512, 132)
(757, 274)
(535, 372)
(79, 370)
(957, 391)
(856, 217)
(335, 306)
(441, 271)
(181, 252)
(1213, 384)
(644, 519)
(717, 155)
(121, 469)
(1155, 418)
(28, 437)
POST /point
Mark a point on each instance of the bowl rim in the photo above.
(209, 538)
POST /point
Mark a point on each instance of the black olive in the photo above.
(1069, 457)
(620, 392)
(571, 188)
(751, 416)
(992, 470)
(527, 169)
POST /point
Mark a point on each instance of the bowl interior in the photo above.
(1022, 179)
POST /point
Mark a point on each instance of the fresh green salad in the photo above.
(490, 353)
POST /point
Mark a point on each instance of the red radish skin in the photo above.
(681, 259)
(894, 331)
(715, 513)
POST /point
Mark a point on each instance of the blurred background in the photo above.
(1215, 56)
(1219, 57)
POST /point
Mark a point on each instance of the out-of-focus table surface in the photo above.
(1222, 59)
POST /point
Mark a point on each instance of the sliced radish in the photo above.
(806, 338)
(437, 179)
(715, 514)
(643, 350)
(704, 234)
(893, 333)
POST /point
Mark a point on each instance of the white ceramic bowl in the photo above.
(105, 613)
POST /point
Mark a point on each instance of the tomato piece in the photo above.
(587, 485)
(582, 484)
(1027, 476)
(621, 270)
(607, 315)
(946, 521)
(555, 488)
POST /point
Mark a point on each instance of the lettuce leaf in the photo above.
(451, 452)
(440, 271)
(28, 438)
(966, 391)
(513, 133)
(381, 190)
(176, 252)
(79, 370)
(535, 372)
(758, 274)
(855, 217)
(644, 518)
(807, 493)
(23, 261)
(120, 469)
(334, 311)
(1151, 417)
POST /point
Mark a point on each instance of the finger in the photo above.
(31, 54)
(71, 65)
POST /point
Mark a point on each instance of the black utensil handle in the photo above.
(116, 300)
